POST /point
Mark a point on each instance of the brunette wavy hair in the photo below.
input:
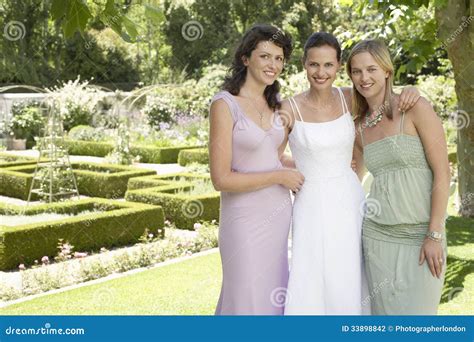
(238, 71)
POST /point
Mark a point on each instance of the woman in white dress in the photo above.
(326, 274)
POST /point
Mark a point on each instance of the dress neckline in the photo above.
(247, 118)
(416, 137)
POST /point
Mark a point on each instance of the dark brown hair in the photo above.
(238, 71)
(318, 39)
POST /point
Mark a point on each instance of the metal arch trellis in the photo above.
(51, 176)
(53, 179)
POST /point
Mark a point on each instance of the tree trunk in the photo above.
(456, 31)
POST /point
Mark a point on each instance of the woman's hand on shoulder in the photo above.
(408, 98)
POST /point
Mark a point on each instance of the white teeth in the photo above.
(366, 85)
(270, 73)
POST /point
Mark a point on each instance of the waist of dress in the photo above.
(270, 196)
(317, 174)
(397, 168)
(407, 234)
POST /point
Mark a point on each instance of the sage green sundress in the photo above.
(395, 225)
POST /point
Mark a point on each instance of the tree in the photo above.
(455, 33)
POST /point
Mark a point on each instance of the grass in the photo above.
(458, 292)
(190, 287)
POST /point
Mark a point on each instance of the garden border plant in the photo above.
(169, 191)
(119, 224)
(16, 160)
(16, 181)
(195, 155)
(147, 154)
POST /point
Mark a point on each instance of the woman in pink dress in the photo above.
(247, 140)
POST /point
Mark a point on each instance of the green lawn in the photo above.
(190, 287)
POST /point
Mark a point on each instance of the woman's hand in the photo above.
(354, 165)
(408, 98)
(432, 252)
(291, 179)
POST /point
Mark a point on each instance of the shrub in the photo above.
(78, 101)
(196, 155)
(439, 90)
(27, 120)
(86, 133)
(185, 200)
(119, 224)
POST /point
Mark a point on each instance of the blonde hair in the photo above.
(379, 52)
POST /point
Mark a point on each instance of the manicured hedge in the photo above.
(195, 155)
(168, 179)
(93, 179)
(181, 208)
(148, 154)
(122, 223)
(7, 160)
(88, 148)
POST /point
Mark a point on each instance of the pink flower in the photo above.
(79, 255)
(45, 260)
(22, 267)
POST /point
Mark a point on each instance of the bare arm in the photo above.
(220, 155)
(287, 118)
(431, 132)
(358, 154)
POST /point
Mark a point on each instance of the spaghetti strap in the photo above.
(297, 108)
(293, 110)
(401, 122)
(345, 108)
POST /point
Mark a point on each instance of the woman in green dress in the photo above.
(403, 235)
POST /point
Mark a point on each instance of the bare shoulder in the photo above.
(347, 91)
(285, 105)
(421, 111)
(219, 106)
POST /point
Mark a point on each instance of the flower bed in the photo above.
(116, 224)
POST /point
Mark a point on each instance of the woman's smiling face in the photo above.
(321, 66)
(265, 63)
(367, 75)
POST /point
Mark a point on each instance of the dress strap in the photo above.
(293, 103)
(401, 122)
(345, 108)
(231, 103)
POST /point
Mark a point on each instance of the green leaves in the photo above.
(76, 14)
(154, 14)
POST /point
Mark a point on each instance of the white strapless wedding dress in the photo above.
(326, 274)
